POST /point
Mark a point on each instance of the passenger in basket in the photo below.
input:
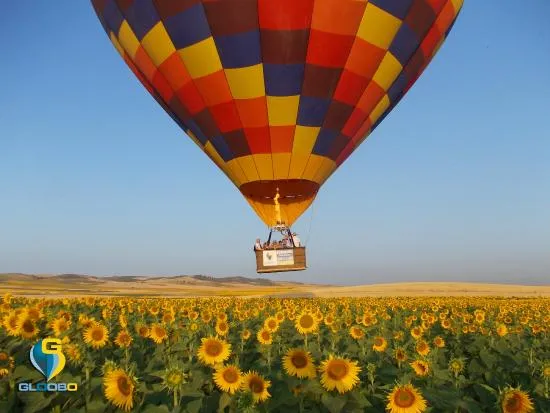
(258, 245)
(296, 240)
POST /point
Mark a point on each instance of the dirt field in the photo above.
(189, 286)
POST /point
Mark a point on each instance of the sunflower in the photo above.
(545, 371)
(83, 320)
(422, 348)
(256, 385)
(356, 332)
(516, 401)
(329, 319)
(142, 330)
(380, 344)
(405, 399)
(167, 318)
(306, 323)
(34, 313)
(118, 387)
(174, 377)
(299, 363)
(271, 324)
(6, 364)
(11, 323)
(439, 342)
(222, 328)
(60, 325)
(264, 337)
(228, 378)
(96, 335)
(502, 330)
(245, 335)
(399, 336)
(400, 355)
(158, 333)
(123, 338)
(339, 373)
(420, 367)
(417, 332)
(26, 327)
(456, 366)
(213, 351)
(72, 352)
(446, 324)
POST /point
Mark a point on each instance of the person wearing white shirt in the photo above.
(296, 240)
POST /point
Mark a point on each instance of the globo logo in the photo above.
(47, 357)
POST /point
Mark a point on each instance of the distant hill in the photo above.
(178, 279)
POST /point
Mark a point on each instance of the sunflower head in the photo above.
(502, 330)
(420, 367)
(405, 399)
(222, 328)
(306, 323)
(228, 378)
(119, 387)
(439, 342)
(174, 377)
(515, 400)
(256, 385)
(356, 332)
(123, 339)
(400, 354)
(422, 347)
(299, 363)
(456, 366)
(380, 344)
(213, 351)
(158, 333)
(271, 324)
(96, 335)
(264, 337)
(339, 374)
(26, 327)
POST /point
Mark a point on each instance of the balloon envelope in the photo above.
(278, 93)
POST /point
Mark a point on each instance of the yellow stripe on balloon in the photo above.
(201, 59)
(128, 39)
(264, 164)
(246, 82)
(282, 110)
(281, 164)
(378, 27)
(387, 72)
(379, 109)
(158, 45)
(116, 43)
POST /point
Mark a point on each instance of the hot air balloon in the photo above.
(278, 93)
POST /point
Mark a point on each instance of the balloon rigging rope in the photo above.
(310, 223)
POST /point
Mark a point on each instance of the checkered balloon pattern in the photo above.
(278, 93)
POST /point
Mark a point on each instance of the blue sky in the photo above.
(453, 185)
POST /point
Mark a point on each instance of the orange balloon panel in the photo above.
(278, 93)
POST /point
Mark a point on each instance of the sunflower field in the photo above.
(397, 355)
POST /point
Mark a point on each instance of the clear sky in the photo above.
(454, 185)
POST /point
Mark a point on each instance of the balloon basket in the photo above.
(281, 260)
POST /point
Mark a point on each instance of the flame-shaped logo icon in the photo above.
(47, 358)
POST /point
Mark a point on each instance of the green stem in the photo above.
(269, 359)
